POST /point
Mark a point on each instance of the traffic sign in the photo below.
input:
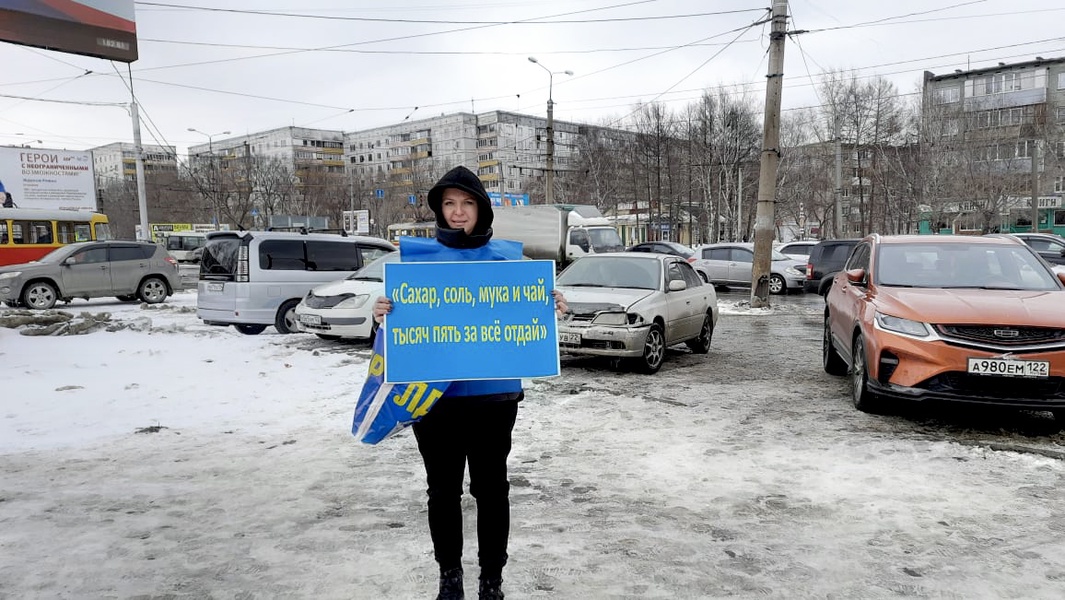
(379, 193)
(412, 199)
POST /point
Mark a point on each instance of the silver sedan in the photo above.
(633, 306)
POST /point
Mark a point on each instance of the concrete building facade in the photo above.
(117, 162)
(1007, 123)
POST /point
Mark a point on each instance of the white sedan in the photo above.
(344, 308)
(633, 305)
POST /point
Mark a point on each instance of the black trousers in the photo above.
(457, 431)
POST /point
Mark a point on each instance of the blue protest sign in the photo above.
(453, 321)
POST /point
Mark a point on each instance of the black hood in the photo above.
(467, 181)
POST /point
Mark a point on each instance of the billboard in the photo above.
(101, 28)
(40, 178)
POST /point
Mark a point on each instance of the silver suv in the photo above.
(129, 271)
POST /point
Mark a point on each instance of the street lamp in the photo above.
(210, 138)
(210, 151)
(549, 194)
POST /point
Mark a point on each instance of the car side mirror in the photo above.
(855, 276)
(69, 261)
(676, 285)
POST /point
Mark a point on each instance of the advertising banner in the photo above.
(101, 28)
(470, 320)
(53, 179)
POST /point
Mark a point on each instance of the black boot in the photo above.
(490, 589)
(451, 585)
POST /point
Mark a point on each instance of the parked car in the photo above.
(344, 308)
(827, 257)
(632, 305)
(1048, 245)
(254, 279)
(663, 247)
(966, 319)
(129, 271)
(797, 249)
(732, 264)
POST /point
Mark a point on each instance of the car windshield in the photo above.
(612, 271)
(375, 271)
(982, 266)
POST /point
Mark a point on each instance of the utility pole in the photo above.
(767, 179)
(138, 151)
(839, 177)
(1035, 185)
(549, 193)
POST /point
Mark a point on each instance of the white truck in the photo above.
(558, 232)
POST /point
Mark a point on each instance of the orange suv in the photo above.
(948, 318)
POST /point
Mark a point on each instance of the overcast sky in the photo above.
(337, 64)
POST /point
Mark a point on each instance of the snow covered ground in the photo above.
(169, 459)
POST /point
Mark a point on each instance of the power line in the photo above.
(535, 21)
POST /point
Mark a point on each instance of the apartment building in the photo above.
(306, 151)
(1005, 125)
(507, 150)
(117, 162)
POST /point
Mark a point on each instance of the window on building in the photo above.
(1059, 187)
(947, 95)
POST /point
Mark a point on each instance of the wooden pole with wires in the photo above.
(767, 180)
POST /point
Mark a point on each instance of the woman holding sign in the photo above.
(473, 421)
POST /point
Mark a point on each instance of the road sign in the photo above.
(379, 193)
(412, 199)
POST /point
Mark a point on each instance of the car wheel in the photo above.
(777, 285)
(152, 290)
(701, 344)
(654, 350)
(127, 298)
(249, 329)
(331, 338)
(285, 322)
(39, 295)
(863, 399)
(824, 286)
(830, 359)
(703, 277)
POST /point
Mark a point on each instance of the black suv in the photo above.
(826, 259)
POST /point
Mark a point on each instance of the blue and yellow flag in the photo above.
(385, 408)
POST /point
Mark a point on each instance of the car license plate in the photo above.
(310, 319)
(569, 338)
(215, 287)
(1009, 367)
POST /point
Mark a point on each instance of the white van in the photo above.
(254, 279)
(182, 244)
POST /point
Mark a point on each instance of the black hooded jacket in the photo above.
(467, 181)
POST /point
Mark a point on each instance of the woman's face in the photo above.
(459, 209)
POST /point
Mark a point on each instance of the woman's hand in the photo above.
(560, 303)
(381, 307)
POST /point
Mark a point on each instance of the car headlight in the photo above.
(617, 318)
(904, 326)
(10, 275)
(353, 302)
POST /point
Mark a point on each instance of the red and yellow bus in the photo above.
(29, 233)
